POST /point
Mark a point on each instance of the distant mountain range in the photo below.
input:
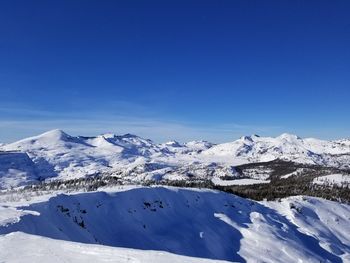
(114, 197)
(57, 155)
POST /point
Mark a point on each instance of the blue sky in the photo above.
(187, 70)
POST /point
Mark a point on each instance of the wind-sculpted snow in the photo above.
(58, 155)
(196, 223)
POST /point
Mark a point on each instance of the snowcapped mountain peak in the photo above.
(246, 139)
(288, 137)
(108, 135)
(51, 138)
(128, 135)
(198, 146)
(201, 143)
(173, 144)
(54, 135)
(127, 140)
(251, 138)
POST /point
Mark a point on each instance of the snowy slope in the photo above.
(333, 179)
(16, 169)
(56, 154)
(197, 223)
(289, 147)
(40, 249)
(59, 154)
(318, 218)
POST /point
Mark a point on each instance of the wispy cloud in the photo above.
(155, 129)
(17, 123)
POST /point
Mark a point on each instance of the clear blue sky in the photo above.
(187, 70)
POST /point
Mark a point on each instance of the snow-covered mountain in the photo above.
(286, 146)
(115, 222)
(56, 154)
(160, 224)
(59, 154)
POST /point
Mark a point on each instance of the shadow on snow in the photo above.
(179, 221)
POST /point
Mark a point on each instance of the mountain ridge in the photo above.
(59, 155)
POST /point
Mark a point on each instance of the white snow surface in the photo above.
(158, 224)
(243, 181)
(333, 179)
(58, 155)
(34, 248)
(286, 146)
(16, 169)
